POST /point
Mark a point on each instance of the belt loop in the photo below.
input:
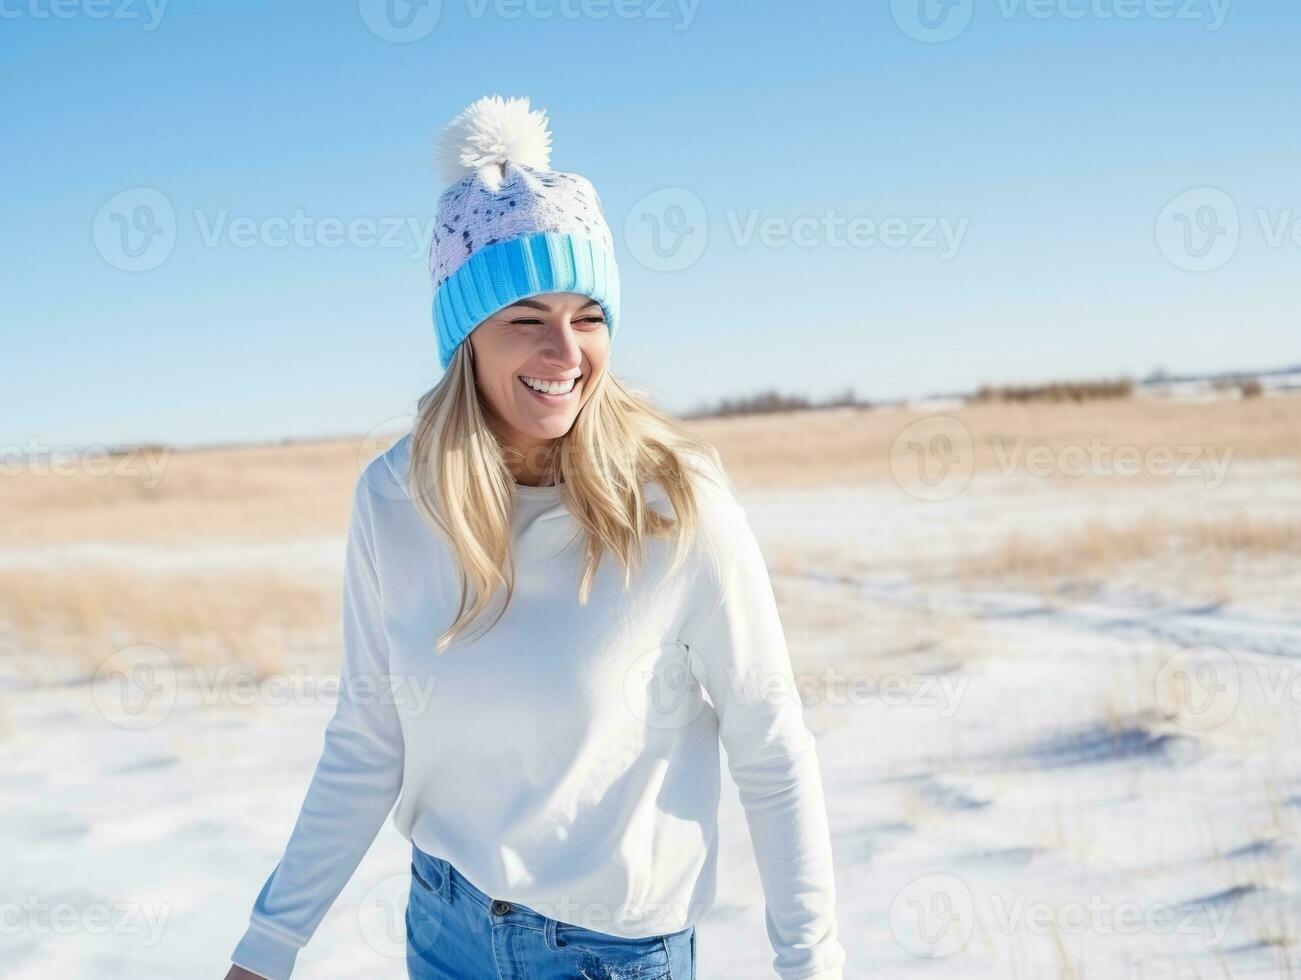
(444, 879)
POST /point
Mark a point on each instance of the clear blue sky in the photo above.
(1050, 133)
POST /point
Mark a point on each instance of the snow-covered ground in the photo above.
(1099, 780)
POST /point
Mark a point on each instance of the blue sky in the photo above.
(1060, 189)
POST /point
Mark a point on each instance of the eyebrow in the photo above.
(533, 304)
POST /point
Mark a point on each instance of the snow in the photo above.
(1011, 790)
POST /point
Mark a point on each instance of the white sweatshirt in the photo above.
(567, 759)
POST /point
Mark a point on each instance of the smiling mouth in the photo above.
(551, 391)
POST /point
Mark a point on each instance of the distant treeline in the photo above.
(1248, 387)
(775, 401)
(1056, 391)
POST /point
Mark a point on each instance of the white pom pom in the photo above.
(487, 133)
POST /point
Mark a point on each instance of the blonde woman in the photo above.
(554, 610)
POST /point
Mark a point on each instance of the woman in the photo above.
(554, 608)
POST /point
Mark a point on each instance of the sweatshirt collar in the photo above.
(398, 460)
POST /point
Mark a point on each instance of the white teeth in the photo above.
(550, 387)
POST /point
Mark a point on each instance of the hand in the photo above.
(239, 973)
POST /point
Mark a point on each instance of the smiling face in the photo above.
(535, 363)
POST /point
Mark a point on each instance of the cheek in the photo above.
(597, 353)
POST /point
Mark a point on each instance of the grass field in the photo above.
(1017, 627)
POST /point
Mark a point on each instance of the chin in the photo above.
(552, 428)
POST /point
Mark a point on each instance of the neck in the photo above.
(527, 461)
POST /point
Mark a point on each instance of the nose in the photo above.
(562, 343)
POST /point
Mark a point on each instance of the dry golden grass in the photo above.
(1100, 548)
(290, 491)
(295, 490)
(847, 446)
(266, 492)
(197, 617)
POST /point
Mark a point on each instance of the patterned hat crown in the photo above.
(509, 227)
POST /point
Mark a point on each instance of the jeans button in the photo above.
(499, 907)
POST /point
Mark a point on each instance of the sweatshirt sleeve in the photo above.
(356, 782)
(740, 657)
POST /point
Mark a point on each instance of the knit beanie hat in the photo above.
(510, 227)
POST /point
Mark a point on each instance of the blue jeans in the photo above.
(456, 932)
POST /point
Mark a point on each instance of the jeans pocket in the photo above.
(646, 957)
(420, 880)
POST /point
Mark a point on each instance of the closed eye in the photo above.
(595, 318)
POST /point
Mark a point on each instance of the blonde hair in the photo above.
(461, 486)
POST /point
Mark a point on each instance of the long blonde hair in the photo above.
(460, 484)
